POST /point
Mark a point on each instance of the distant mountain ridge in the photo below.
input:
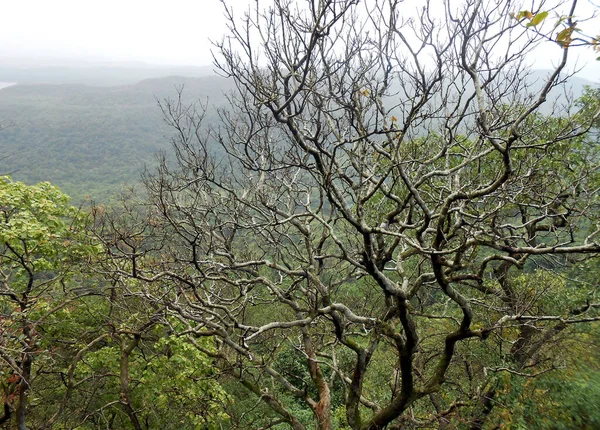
(89, 139)
(94, 74)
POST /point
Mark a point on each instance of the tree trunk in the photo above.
(484, 406)
(124, 367)
(24, 390)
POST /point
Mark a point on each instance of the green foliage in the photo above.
(43, 244)
(37, 221)
(90, 140)
(115, 357)
(560, 400)
(42, 240)
(173, 384)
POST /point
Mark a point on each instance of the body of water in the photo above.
(7, 84)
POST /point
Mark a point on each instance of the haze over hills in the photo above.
(60, 72)
(90, 139)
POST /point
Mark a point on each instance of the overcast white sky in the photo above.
(172, 32)
(154, 31)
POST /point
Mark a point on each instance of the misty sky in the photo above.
(154, 31)
(172, 32)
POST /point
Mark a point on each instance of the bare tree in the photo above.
(371, 202)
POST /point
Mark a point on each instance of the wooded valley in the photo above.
(367, 220)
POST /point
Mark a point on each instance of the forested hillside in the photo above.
(394, 223)
(91, 140)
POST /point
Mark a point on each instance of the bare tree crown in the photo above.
(375, 194)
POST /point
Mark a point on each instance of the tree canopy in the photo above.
(385, 229)
(394, 218)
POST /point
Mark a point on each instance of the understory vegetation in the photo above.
(388, 226)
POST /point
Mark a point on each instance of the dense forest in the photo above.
(91, 140)
(364, 222)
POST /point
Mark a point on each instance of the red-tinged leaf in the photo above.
(523, 14)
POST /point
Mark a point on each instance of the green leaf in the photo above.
(564, 36)
(538, 18)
